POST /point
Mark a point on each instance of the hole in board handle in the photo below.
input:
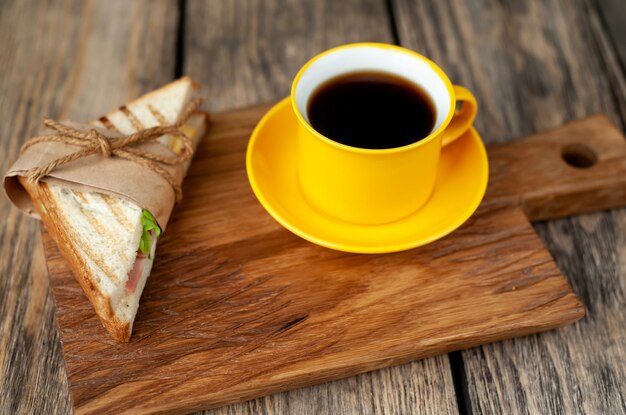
(579, 156)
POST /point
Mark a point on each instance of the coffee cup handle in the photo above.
(463, 117)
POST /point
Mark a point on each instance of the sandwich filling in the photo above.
(150, 232)
(145, 252)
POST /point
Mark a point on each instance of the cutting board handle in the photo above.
(577, 168)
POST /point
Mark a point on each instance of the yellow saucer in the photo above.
(272, 171)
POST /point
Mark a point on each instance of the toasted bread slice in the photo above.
(99, 234)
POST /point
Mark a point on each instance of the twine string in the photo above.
(124, 146)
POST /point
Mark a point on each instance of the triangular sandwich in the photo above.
(109, 241)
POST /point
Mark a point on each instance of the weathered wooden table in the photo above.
(532, 65)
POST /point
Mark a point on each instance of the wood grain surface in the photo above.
(515, 49)
(532, 66)
(237, 307)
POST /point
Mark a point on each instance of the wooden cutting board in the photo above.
(238, 307)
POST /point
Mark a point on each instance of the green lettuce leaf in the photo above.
(149, 224)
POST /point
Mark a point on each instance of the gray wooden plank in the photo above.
(613, 13)
(61, 59)
(535, 65)
(247, 52)
(419, 387)
(609, 56)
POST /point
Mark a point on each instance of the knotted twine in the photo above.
(95, 142)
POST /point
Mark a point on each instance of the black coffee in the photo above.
(371, 110)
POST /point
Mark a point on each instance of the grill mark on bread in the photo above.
(137, 124)
(166, 140)
(158, 115)
(114, 205)
(108, 124)
(93, 220)
(102, 229)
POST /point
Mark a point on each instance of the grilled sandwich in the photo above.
(110, 241)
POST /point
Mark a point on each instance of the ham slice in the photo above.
(135, 274)
(141, 261)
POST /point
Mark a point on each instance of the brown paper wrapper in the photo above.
(95, 173)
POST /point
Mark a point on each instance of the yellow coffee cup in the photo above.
(372, 186)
